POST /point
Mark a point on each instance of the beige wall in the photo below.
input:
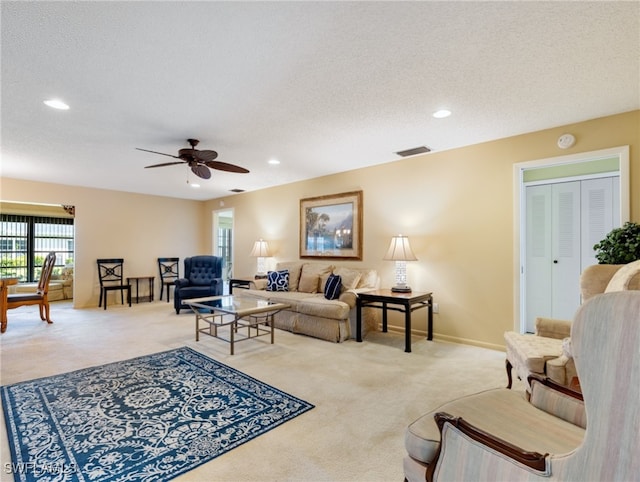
(457, 208)
(113, 224)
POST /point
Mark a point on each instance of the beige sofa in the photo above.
(310, 312)
(60, 286)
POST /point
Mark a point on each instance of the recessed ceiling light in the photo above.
(442, 113)
(195, 186)
(274, 162)
(56, 104)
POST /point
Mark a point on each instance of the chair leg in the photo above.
(100, 303)
(45, 312)
(128, 295)
(508, 366)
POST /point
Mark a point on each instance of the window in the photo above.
(26, 240)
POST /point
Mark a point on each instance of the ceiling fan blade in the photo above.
(201, 170)
(156, 152)
(203, 156)
(165, 164)
(223, 166)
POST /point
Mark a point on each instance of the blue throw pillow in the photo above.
(278, 280)
(333, 287)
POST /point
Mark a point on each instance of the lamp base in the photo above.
(401, 289)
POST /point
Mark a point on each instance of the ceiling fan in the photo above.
(198, 161)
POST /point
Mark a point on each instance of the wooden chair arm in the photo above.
(533, 460)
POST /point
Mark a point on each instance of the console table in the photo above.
(403, 302)
(149, 279)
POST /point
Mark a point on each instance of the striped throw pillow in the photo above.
(333, 287)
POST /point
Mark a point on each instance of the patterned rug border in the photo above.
(25, 470)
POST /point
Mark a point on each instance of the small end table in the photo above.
(137, 279)
(407, 303)
(244, 283)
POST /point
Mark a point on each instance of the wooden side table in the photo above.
(406, 303)
(244, 283)
(150, 280)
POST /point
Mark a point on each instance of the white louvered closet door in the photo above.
(564, 221)
(565, 251)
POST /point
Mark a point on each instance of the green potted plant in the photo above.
(620, 246)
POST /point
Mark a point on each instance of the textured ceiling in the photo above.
(323, 87)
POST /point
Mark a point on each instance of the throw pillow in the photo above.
(621, 279)
(278, 280)
(333, 287)
(294, 268)
(368, 279)
(308, 283)
(350, 277)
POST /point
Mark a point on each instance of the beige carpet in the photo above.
(365, 393)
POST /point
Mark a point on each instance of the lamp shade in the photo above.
(260, 249)
(400, 250)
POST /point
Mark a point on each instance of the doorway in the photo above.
(222, 243)
(562, 205)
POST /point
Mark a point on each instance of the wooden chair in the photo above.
(40, 296)
(110, 273)
(169, 273)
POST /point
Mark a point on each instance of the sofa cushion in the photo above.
(294, 268)
(333, 287)
(309, 282)
(350, 277)
(318, 305)
(278, 280)
(502, 413)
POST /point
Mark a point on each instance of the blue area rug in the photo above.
(147, 419)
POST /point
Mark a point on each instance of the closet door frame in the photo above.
(519, 169)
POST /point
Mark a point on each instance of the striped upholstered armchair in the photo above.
(502, 435)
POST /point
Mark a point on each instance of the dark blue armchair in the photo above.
(202, 277)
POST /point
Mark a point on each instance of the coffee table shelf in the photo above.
(245, 318)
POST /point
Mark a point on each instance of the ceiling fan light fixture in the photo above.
(274, 162)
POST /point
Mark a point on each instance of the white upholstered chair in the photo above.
(499, 435)
(548, 351)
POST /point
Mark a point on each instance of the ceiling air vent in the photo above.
(414, 151)
(237, 190)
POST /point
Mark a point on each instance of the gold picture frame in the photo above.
(331, 226)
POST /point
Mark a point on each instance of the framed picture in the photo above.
(331, 226)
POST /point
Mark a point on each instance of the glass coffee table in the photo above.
(236, 313)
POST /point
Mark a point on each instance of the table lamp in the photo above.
(400, 252)
(261, 251)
